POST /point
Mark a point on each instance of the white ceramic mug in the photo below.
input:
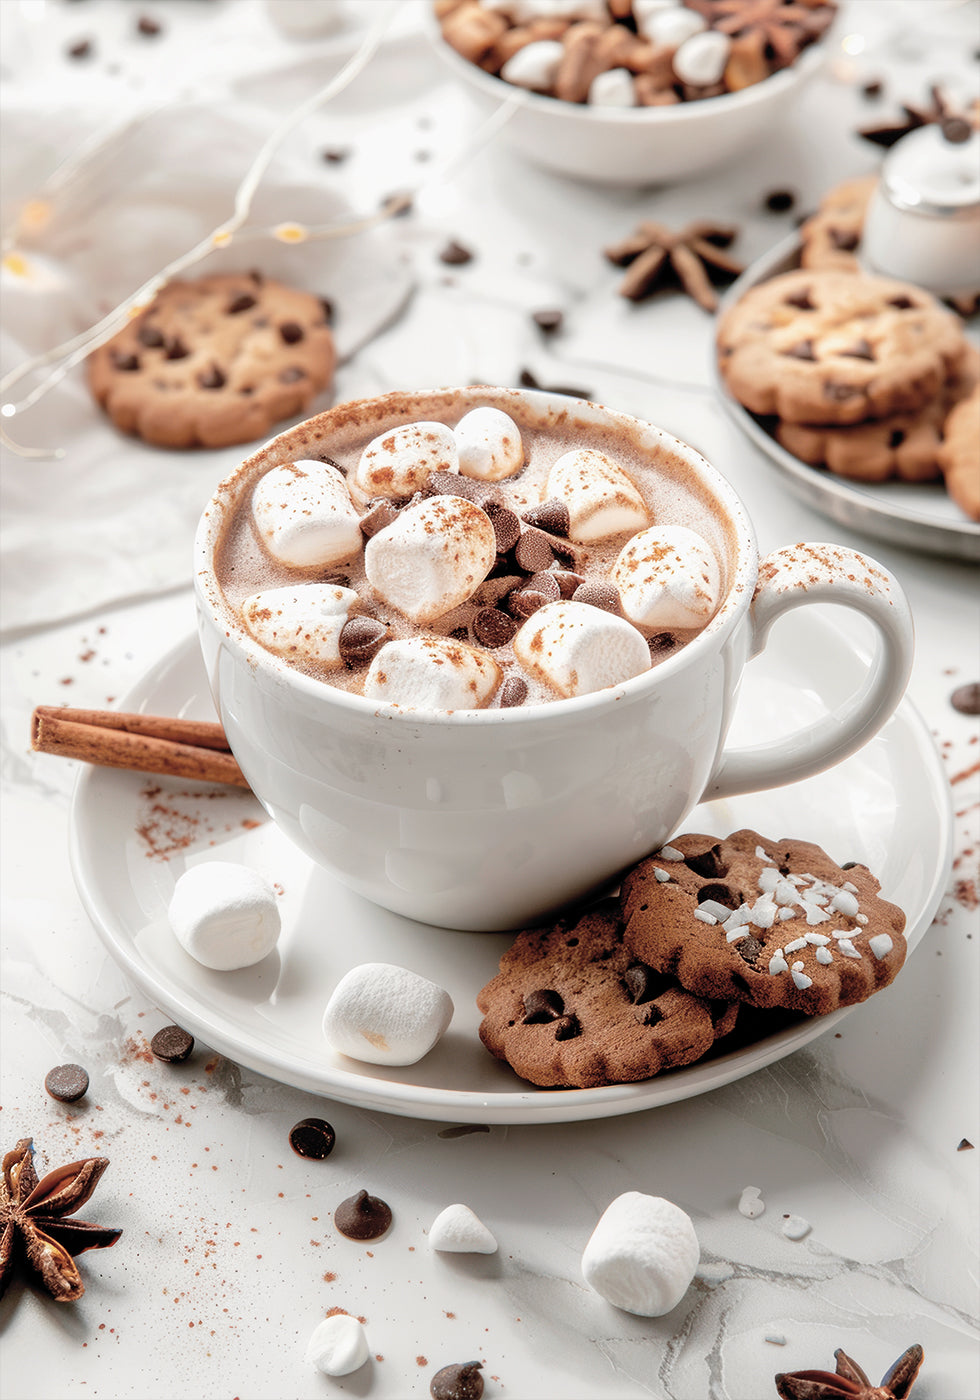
(488, 819)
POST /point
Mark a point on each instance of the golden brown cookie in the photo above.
(573, 1007)
(771, 923)
(214, 362)
(837, 347)
(832, 235)
(960, 454)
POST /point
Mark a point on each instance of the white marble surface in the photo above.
(229, 1257)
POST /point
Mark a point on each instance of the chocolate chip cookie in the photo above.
(836, 347)
(831, 237)
(572, 1006)
(214, 362)
(770, 923)
(960, 454)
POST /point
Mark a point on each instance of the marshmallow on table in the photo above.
(432, 673)
(303, 623)
(400, 462)
(534, 66)
(456, 1230)
(701, 60)
(642, 1254)
(386, 1015)
(614, 88)
(667, 576)
(600, 497)
(431, 557)
(338, 1345)
(489, 445)
(578, 648)
(304, 515)
(225, 915)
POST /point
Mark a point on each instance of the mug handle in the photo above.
(823, 573)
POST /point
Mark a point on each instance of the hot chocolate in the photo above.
(493, 556)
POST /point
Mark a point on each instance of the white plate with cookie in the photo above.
(133, 835)
(919, 515)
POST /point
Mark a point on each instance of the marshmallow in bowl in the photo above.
(456, 1230)
(338, 1345)
(614, 88)
(489, 445)
(535, 65)
(386, 1015)
(431, 557)
(302, 623)
(304, 515)
(702, 59)
(600, 497)
(432, 673)
(667, 577)
(400, 461)
(224, 915)
(667, 24)
(577, 648)
(642, 1255)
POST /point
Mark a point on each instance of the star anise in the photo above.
(780, 28)
(956, 125)
(655, 256)
(33, 1228)
(850, 1382)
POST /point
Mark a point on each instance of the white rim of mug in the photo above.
(737, 599)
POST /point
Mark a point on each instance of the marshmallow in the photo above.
(576, 648)
(642, 1254)
(701, 60)
(302, 623)
(750, 1203)
(456, 1230)
(225, 915)
(304, 515)
(534, 66)
(338, 1345)
(523, 11)
(489, 445)
(400, 462)
(600, 497)
(670, 24)
(667, 577)
(614, 88)
(432, 673)
(432, 557)
(386, 1015)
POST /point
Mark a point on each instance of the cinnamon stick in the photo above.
(180, 748)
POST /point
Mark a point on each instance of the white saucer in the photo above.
(888, 806)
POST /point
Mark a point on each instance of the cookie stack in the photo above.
(703, 930)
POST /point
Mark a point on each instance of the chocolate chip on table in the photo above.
(551, 515)
(66, 1083)
(455, 254)
(82, 48)
(548, 321)
(966, 698)
(533, 552)
(313, 1138)
(513, 692)
(458, 1382)
(172, 1044)
(956, 130)
(291, 332)
(363, 1217)
(873, 89)
(148, 26)
(599, 594)
(780, 201)
(334, 155)
(361, 638)
(493, 628)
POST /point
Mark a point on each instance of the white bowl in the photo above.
(635, 145)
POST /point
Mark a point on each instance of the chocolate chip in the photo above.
(291, 332)
(550, 515)
(779, 201)
(363, 1217)
(493, 628)
(862, 350)
(800, 299)
(749, 948)
(527, 380)
(873, 89)
(966, 698)
(125, 361)
(643, 983)
(846, 239)
(175, 349)
(361, 638)
(548, 321)
(599, 594)
(956, 130)
(896, 437)
(850, 864)
(150, 336)
(243, 302)
(333, 155)
(525, 601)
(802, 350)
(513, 692)
(541, 1005)
(840, 392)
(662, 641)
(312, 1137)
(722, 894)
(379, 514)
(66, 1083)
(453, 484)
(567, 1028)
(648, 1015)
(901, 303)
(457, 1382)
(546, 584)
(327, 307)
(455, 254)
(533, 553)
(708, 863)
(506, 526)
(212, 378)
(964, 1145)
(82, 48)
(148, 26)
(172, 1044)
(291, 375)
